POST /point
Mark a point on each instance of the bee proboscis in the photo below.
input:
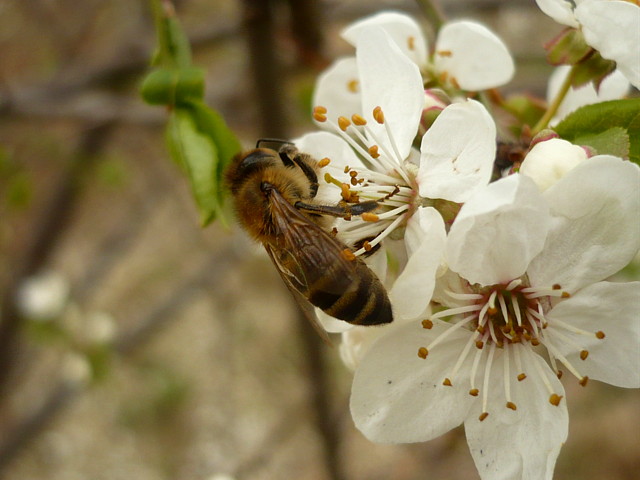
(274, 195)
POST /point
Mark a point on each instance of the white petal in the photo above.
(391, 81)
(560, 10)
(328, 145)
(338, 90)
(403, 29)
(473, 55)
(549, 161)
(398, 397)
(595, 230)
(521, 444)
(331, 324)
(612, 87)
(412, 290)
(613, 309)
(612, 27)
(498, 231)
(457, 152)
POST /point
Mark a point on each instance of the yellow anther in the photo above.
(584, 354)
(324, 162)
(428, 324)
(343, 123)
(423, 352)
(600, 334)
(554, 399)
(348, 255)
(373, 151)
(411, 42)
(378, 115)
(352, 85)
(521, 376)
(445, 53)
(479, 344)
(559, 374)
(358, 120)
(367, 246)
(474, 392)
(583, 381)
(446, 382)
(345, 191)
(512, 406)
(369, 217)
(320, 114)
(483, 415)
(565, 295)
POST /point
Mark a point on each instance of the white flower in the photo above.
(549, 161)
(467, 56)
(609, 26)
(456, 158)
(613, 87)
(43, 296)
(534, 266)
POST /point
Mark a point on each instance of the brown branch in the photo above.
(266, 71)
(319, 392)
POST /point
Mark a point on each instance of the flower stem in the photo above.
(433, 12)
(555, 104)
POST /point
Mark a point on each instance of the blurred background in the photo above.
(136, 345)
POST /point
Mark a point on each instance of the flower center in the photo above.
(387, 179)
(510, 317)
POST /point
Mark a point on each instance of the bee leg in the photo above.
(342, 210)
(289, 155)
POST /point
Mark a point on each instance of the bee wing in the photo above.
(312, 256)
(306, 308)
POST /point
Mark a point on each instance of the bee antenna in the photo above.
(273, 140)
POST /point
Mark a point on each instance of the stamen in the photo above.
(447, 332)
(571, 328)
(521, 376)
(507, 380)
(324, 162)
(474, 370)
(513, 284)
(503, 309)
(462, 357)
(369, 217)
(358, 120)
(537, 292)
(381, 235)
(455, 311)
(343, 123)
(423, 352)
(485, 384)
(516, 309)
(463, 296)
(378, 115)
(320, 114)
(373, 151)
(534, 357)
(556, 353)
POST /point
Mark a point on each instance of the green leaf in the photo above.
(593, 121)
(614, 141)
(173, 44)
(197, 154)
(172, 86)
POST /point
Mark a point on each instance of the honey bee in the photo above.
(274, 192)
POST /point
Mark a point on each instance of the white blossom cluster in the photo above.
(498, 280)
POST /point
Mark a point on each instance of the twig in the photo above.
(319, 388)
(266, 71)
